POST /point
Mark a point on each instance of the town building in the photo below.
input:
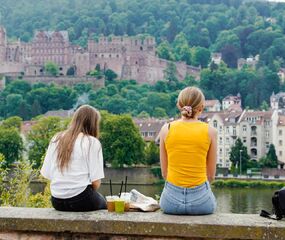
(150, 128)
(232, 102)
(216, 58)
(130, 57)
(277, 101)
(279, 140)
(227, 126)
(212, 106)
(256, 132)
(249, 62)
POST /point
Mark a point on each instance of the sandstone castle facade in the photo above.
(130, 57)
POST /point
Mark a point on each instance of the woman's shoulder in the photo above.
(212, 131)
(90, 139)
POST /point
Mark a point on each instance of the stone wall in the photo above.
(65, 80)
(35, 223)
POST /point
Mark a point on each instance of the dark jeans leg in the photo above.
(88, 200)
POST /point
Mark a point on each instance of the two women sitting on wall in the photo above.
(74, 161)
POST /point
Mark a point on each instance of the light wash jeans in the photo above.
(176, 200)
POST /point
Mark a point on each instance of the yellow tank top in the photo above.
(187, 145)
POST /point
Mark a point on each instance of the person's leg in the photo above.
(58, 204)
(200, 201)
(99, 201)
(89, 200)
(172, 200)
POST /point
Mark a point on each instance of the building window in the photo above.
(244, 128)
(221, 151)
(234, 131)
(280, 142)
(221, 140)
(244, 139)
(267, 134)
(280, 132)
(215, 124)
(220, 129)
(227, 140)
(280, 153)
(227, 130)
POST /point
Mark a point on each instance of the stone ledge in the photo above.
(149, 225)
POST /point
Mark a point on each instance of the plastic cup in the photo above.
(110, 203)
(126, 196)
(119, 205)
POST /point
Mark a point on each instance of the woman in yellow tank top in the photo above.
(188, 150)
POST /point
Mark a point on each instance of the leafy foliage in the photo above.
(270, 160)
(40, 136)
(51, 68)
(152, 153)
(239, 153)
(11, 145)
(121, 141)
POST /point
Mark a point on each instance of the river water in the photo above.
(229, 200)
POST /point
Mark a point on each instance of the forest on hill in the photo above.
(237, 28)
(185, 30)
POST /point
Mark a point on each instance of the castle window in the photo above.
(136, 62)
(141, 48)
(117, 55)
(110, 56)
(95, 55)
(138, 70)
(102, 55)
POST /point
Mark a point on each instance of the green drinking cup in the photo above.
(119, 206)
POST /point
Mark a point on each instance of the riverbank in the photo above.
(244, 183)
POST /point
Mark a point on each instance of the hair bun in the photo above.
(186, 111)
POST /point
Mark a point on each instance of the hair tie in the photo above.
(188, 109)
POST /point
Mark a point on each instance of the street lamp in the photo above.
(240, 151)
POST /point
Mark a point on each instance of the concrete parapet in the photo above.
(33, 223)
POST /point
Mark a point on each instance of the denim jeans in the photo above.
(176, 200)
(88, 200)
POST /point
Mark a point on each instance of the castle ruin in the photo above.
(129, 57)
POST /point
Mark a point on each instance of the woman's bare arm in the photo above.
(163, 153)
(96, 184)
(212, 155)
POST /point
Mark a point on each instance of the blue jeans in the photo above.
(176, 200)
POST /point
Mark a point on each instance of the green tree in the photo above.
(121, 141)
(11, 145)
(239, 152)
(202, 57)
(164, 51)
(40, 136)
(51, 68)
(110, 75)
(170, 75)
(270, 160)
(12, 122)
(152, 153)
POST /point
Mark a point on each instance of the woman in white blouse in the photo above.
(74, 164)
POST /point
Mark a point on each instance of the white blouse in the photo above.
(85, 166)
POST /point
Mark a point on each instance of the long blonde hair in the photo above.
(190, 101)
(85, 120)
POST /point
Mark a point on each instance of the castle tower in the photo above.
(3, 44)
